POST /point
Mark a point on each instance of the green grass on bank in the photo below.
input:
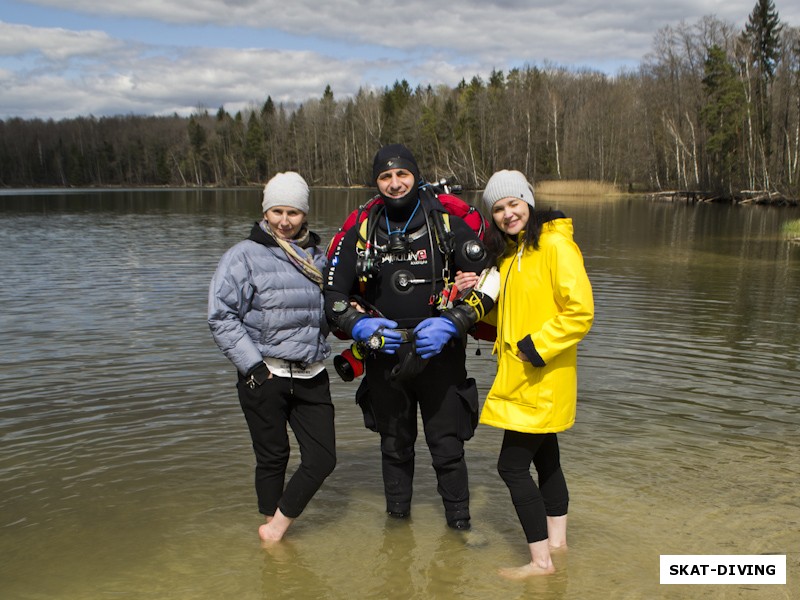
(791, 229)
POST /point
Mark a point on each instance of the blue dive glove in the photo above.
(377, 334)
(432, 334)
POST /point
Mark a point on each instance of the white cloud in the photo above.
(348, 44)
(53, 43)
(504, 28)
(146, 80)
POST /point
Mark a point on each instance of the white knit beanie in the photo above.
(286, 189)
(507, 184)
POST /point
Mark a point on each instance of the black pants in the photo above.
(305, 404)
(447, 418)
(533, 505)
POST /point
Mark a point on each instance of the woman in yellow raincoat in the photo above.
(543, 310)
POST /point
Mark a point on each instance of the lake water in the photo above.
(126, 467)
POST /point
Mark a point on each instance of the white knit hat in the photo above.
(286, 189)
(507, 184)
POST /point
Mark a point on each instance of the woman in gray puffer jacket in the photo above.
(265, 310)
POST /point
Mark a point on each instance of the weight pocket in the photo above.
(364, 400)
(468, 394)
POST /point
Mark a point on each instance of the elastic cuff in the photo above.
(348, 321)
(525, 345)
(462, 318)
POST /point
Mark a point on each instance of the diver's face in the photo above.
(395, 183)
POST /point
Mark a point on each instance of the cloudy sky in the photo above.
(66, 58)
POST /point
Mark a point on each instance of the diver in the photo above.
(390, 287)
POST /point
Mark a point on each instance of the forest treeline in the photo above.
(710, 108)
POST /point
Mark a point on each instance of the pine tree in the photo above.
(722, 115)
(762, 36)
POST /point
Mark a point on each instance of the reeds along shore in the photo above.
(576, 187)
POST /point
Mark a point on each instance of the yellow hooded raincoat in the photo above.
(544, 294)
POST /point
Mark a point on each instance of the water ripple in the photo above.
(120, 428)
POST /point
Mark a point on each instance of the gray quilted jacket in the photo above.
(261, 305)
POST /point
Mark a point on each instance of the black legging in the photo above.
(305, 405)
(533, 504)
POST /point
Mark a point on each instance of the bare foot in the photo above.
(529, 570)
(275, 528)
(268, 534)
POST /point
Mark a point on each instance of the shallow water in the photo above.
(126, 468)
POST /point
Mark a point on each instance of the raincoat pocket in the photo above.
(517, 380)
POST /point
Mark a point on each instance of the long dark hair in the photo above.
(497, 241)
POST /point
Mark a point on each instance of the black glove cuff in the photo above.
(347, 320)
(463, 317)
(525, 345)
(257, 375)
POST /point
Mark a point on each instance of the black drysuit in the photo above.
(447, 399)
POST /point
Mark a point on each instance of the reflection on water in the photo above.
(125, 463)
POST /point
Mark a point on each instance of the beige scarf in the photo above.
(303, 260)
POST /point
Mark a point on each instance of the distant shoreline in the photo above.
(546, 188)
